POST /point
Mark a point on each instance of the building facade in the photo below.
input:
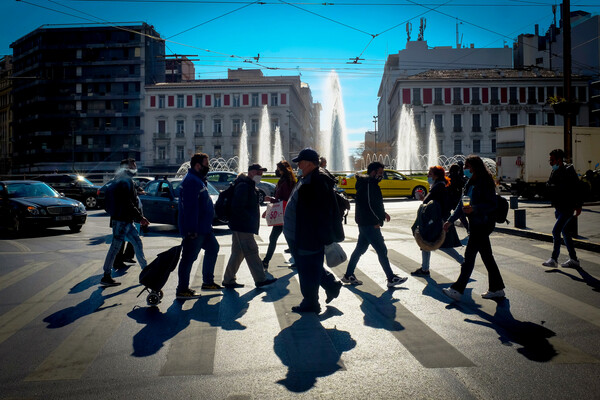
(78, 94)
(5, 115)
(466, 106)
(207, 116)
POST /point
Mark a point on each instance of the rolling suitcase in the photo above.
(156, 274)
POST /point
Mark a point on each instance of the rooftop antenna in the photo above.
(408, 31)
(458, 44)
(422, 29)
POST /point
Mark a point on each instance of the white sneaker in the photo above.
(570, 263)
(395, 281)
(452, 293)
(550, 263)
(493, 295)
(351, 280)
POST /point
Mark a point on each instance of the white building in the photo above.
(207, 115)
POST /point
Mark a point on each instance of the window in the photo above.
(532, 119)
(161, 153)
(438, 120)
(476, 146)
(494, 99)
(274, 99)
(514, 119)
(416, 96)
(217, 151)
(540, 94)
(551, 119)
(475, 99)
(198, 101)
(236, 127)
(180, 153)
(437, 99)
(236, 99)
(512, 98)
(217, 100)
(162, 126)
(476, 126)
(198, 128)
(255, 100)
(274, 124)
(493, 145)
(457, 123)
(179, 128)
(254, 127)
(217, 127)
(495, 121)
(531, 95)
(549, 91)
(457, 96)
(581, 94)
(161, 101)
(457, 146)
(179, 101)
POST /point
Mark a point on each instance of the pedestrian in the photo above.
(126, 252)
(440, 193)
(479, 205)
(455, 190)
(312, 221)
(286, 183)
(567, 203)
(196, 213)
(244, 223)
(125, 213)
(323, 166)
(370, 216)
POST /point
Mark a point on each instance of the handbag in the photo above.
(274, 213)
(334, 255)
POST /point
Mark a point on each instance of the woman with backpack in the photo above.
(479, 205)
(439, 192)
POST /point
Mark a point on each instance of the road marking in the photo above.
(20, 246)
(21, 273)
(15, 319)
(73, 356)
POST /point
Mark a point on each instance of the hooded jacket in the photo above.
(196, 210)
(369, 202)
(245, 212)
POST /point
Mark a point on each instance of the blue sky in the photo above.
(302, 36)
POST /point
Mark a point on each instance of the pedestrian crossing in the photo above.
(238, 331)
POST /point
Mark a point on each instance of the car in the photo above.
(73, 186)
(222, 179)
(33, 204)
(139, 181)
(393, 184)
(161, 202)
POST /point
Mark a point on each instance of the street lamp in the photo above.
(375, 132)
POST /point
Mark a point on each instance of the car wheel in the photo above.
(91, 202)
(261, 197)
(419, 193)
(75, 228)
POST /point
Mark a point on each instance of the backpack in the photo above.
(429, 222)
(501, 210)
(110, 197)
(223, 203)
(343, 205)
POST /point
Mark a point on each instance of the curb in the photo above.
(578, 243)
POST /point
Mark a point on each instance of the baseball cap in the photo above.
(307, 154)
(256, 167)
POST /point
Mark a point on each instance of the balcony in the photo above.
(438, 102)
(476, 129)
(439, 128)
(180, 135)
(457, 102)
(161, 161)
(161, 135)
(513, 101)
(217, 134)
(475, 102)
(495, 102)
(457, 129)
(198, 134)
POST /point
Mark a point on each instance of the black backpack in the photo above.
(429, 221)
(110, 197)
(223, 204)
(501, 210)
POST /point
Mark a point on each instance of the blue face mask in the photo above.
(430, 180)
(554, 167)
(468, 173)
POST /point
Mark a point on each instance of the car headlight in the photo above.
(33, 210)
(80, 208)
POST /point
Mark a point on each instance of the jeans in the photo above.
(124, 231)
(370, 235)
(244, 246)
(561, 226)
(451, 251)
(275, 233)
(190, 248)
(479, 242)
(312, 274)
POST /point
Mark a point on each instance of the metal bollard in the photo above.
(514, 202)
(520, 220)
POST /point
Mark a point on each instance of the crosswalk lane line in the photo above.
(21, 273)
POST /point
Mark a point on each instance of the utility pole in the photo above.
(568, 118)
(375, 132)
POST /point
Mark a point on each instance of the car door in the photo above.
(398, 183)
(214, 178)
(149, 201)
(166, 204)
(69, 186)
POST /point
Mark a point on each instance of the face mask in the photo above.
(468, 173)
(204, 170)
(554, 167)
(278, 174)
(256, 178)
(430, 180)
(378, 178)
(132, 171)
(299, 172)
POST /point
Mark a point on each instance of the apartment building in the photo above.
(5, 114)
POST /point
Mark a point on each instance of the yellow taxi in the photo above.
(393, 184)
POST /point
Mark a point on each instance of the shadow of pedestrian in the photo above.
(234, 306)
(95, 241)
(279, 289)
(585, 277)
(380, 312)
(310, 352)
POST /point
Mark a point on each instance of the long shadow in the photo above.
(234, 307)
(380, 312)
(280, 288)
(310, 352)
(585, 277)
(159, 327)
(532, 337)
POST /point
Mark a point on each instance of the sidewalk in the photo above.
(539, 221)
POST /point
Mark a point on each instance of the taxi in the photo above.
(393, 184)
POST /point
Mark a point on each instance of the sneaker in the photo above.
(351, 280)
(493, 295)
(129, 260)
(396, 280)
(265, 264)
(287, 251)
(266, 283)
(211, 286)
(420, 272)
(233, 285)
(550, 263)
(335, 292)
(570, 263)
(452, 293)
(293, 266)
(107, 280)
(305, 309)
(187, 294)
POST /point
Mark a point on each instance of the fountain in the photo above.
(244, 157)
(432, 149)
(277, 150)
(265, 145)
(407, 150)
(333, 144)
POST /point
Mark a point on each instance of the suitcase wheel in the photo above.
(153, 299)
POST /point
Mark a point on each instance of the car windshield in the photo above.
(83, 181)
(37, 189)
(212, 190)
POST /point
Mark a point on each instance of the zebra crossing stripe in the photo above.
(21, 273)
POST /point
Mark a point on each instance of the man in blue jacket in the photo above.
(195, 226)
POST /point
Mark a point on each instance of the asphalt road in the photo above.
(64, 337)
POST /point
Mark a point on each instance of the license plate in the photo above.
(64, 218)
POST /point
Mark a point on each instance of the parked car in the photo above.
(140, 181)
(33, 204)
(222, 179)
(73, 186)
(393, 184)
(161, 201)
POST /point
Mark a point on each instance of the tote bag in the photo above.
(274, 213)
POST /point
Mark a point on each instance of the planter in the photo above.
(564, 108)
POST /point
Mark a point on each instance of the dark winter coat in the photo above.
(283, 190)
(126, 200)
(245, 212)
(562, 189)
(196, 210)
(369, 202)
(439, 192)
(483, 202)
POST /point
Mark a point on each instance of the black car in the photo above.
(31, 204)
(73, 186)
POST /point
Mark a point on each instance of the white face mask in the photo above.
(256, 178)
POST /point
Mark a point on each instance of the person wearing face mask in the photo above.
(126, 212)
(370, 215)
(244, 222)
(562, 190)
(195, 226)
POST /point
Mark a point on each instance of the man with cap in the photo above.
(244, 222)
(312, 221)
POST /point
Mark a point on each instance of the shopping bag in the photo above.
(334, 255)
(274, 213)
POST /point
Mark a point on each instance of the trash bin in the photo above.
(520, 220)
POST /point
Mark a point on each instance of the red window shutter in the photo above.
(225, 99)
(427, 96)
(208, 99)
(522, 95)
(190, 100)
(447, 95)
(153, 101)
(466, 95)
(485, 95)
(171, 102)
(245, 99)
(283, 99)
(405, 96)
(503, 95)
(265, 98)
